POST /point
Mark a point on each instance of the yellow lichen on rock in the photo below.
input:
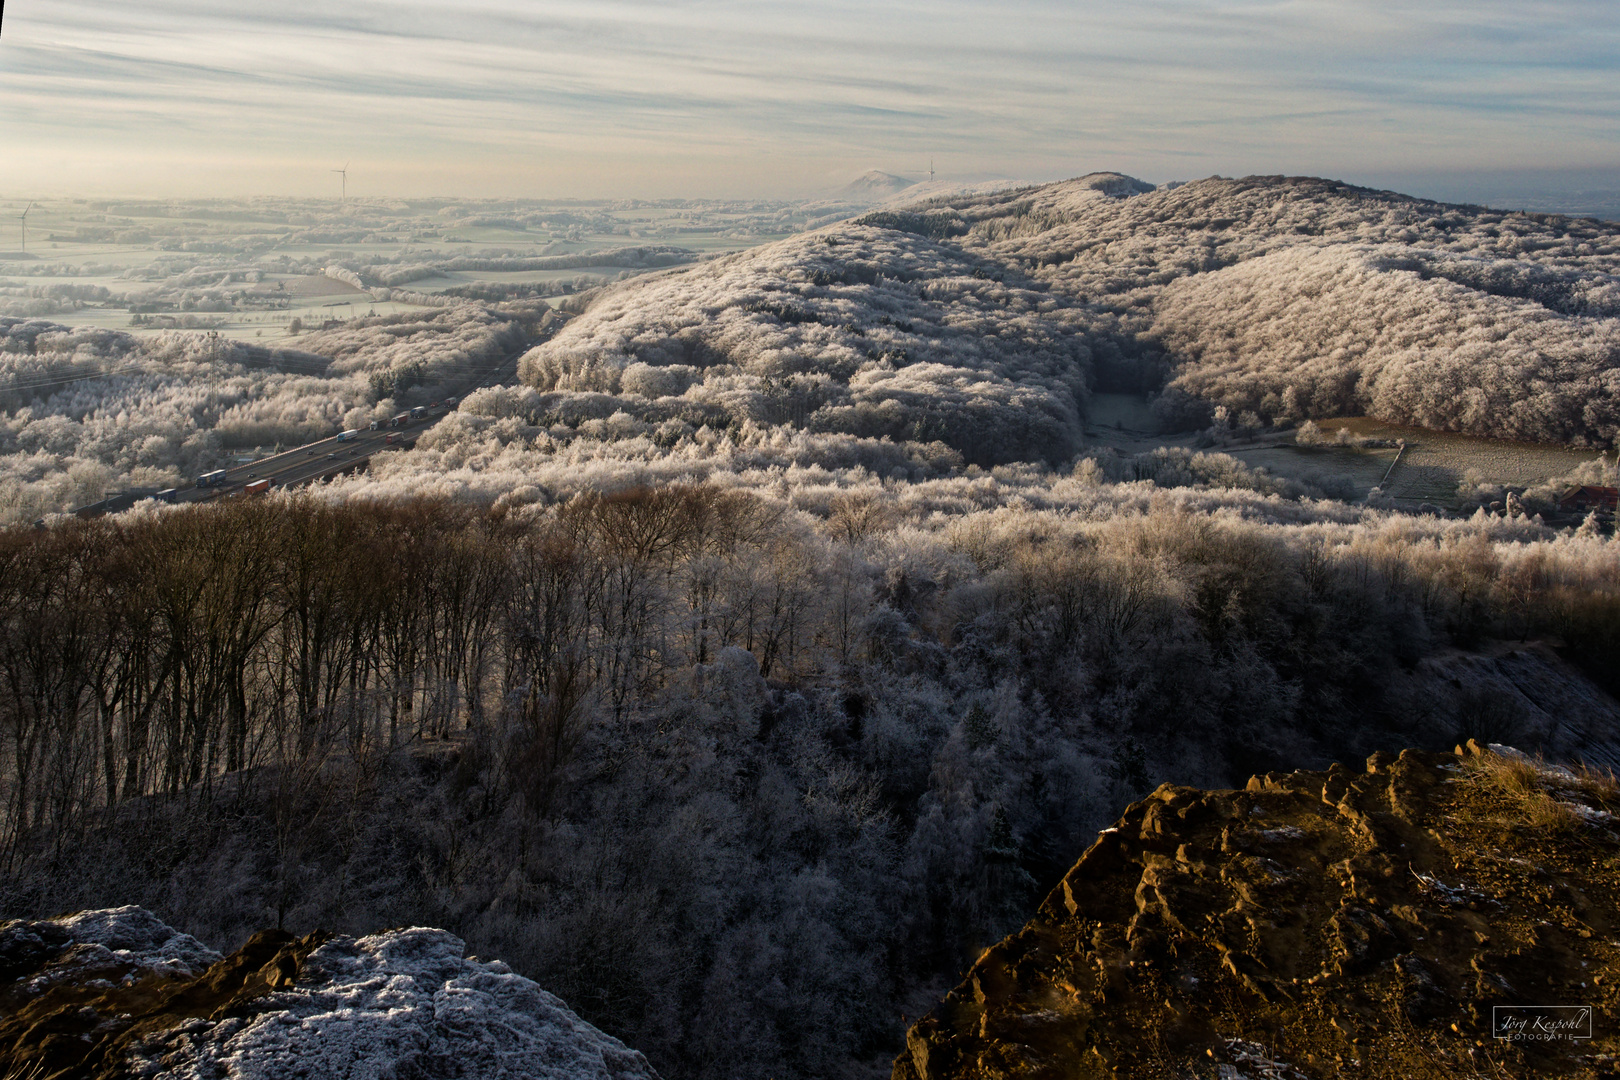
(1378, 923)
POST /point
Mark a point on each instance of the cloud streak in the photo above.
(568, 98)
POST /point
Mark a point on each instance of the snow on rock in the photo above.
(111, 945)
(136, 936)
(402, 1003)
(77, 993)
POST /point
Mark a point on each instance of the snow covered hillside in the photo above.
(984, 321)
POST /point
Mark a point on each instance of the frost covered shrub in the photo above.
(658, 382)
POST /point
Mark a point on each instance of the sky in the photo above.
(671, 98)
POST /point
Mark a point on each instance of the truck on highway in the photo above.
(168, 495)
(345, 436)
(401, 420)
(419, 413)
(450, 402)
(259, 486)
(393, 437)
(211, 479)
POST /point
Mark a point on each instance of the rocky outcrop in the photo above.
(1392, 922)
(112, 994)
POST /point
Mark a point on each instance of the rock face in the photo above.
(1316, 924)
(116, 993)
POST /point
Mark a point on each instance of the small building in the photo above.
(1589, 497)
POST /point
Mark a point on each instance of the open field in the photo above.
(1433, 466)
(247, 268)
(1435, 462)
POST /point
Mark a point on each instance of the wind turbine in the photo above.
(25, 227)
(344, 172)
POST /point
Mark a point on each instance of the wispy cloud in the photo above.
(568, 97)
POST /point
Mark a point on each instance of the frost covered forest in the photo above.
(984, 322)
(86, 411)
(743, 782)
(772, 645)
(142, 342)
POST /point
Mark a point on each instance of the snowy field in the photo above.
(247, 268)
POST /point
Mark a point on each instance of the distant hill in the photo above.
(874, 186)
(985, 320)
(929, 190)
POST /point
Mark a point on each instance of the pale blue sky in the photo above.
(567, 98)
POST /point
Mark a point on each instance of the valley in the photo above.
(776, 617)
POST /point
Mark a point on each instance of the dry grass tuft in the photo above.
(1542, 811)
(1557, 798)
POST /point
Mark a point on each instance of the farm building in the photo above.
(1589, 497)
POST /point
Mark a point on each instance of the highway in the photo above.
(318, 460)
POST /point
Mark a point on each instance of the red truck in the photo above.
(259, 487)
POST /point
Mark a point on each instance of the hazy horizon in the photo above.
(630, 100)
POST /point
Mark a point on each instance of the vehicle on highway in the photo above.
(168, 495)
(345, 436)
(419, 413)
(253, 476)
(374, 425)
(393, 437)
(450, 402)
(331, 457)
(211, 479)
(401, 420)
(259, 486)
